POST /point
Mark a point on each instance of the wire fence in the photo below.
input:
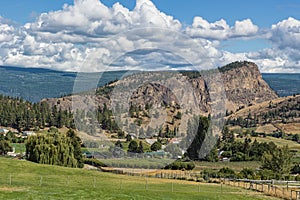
(122, 182)
(276, 188)
(281, 189)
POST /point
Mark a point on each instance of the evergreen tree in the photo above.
(140, 148)
(197, 132)
(133, 147)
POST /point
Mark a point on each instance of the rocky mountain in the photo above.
(230, 88)
(242, 83)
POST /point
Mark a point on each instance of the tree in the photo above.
(4, 147)
(178, 115)
(118, 149)
(213, 155)
(55, 149)
(247, 173)
(76, 143)
(140, 148)
(197, 131)
(279, 161)
(155, 146)
(133, 146)
(128, 138)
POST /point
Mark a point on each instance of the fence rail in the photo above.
(276, 188)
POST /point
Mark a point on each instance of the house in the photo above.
(175, 140)
(4, 131)
(28, 133)
(132, 135)
(150, 141)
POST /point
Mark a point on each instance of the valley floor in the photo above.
(21, 179)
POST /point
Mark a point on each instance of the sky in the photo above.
(94, 35)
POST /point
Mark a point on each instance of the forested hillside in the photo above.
(23, 115)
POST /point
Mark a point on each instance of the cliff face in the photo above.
(242, 84)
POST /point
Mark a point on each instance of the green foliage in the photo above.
(179, 165)
(105, 91)
(234, 65)
(140, 148)
(247, 173)
(213, 155)
(178, 115)
(24, 115)
(247, 150)
(278, 161)
(4, 147)
(133, 147)
(155, 146)
(226, 173)
(55, 149)
(196, 132)
(295, 169)
(128, 138)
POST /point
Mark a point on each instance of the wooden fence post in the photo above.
(41, 180)
(221, 188)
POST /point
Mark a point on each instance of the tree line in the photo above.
(24, 115)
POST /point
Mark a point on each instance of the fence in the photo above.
(97, 183)
(281, 189)
(276, 188)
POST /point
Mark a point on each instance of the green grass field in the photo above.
(21, 179)
(280, 142)
(236, 166)
(19, 147)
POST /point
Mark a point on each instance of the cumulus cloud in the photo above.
(284, 55)
(89, 36)
(220, 30)
(286, 33)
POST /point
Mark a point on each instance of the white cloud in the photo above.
(286, 33)
(220, 30)
(89, 36)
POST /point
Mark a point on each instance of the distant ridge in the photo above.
(34, 84)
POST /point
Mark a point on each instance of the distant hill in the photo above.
(280, 114)
(34, 84)
(242, 82)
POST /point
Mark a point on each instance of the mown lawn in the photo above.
(21, 179)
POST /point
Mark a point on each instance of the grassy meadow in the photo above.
(20, 179)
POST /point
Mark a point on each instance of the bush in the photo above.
(247, 173)
(179, 165)
(226, 172)
(295, 169)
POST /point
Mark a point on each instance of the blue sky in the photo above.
(262, 12)
(267, 25)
